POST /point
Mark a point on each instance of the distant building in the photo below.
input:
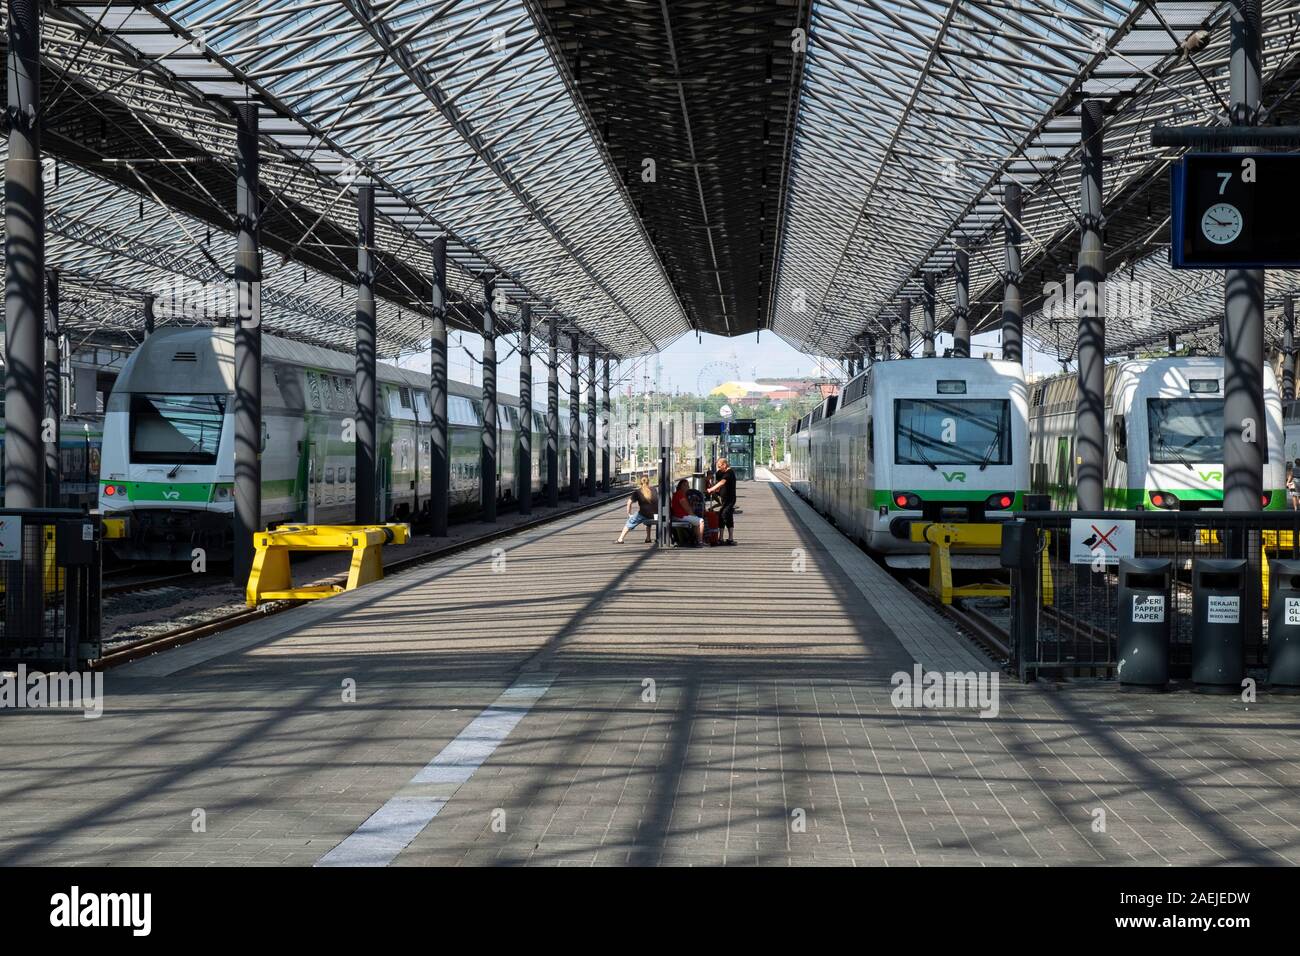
(739, 391)
(777, 390)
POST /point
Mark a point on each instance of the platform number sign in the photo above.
(1235, 210)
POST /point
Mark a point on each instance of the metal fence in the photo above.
(1065, 609)
(50, 567)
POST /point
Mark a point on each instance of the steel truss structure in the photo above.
(455, 112)
(915, 115)
(815, 161)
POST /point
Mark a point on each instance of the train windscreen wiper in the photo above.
(176, 470)
(920, 453)
(994, 443)
(1165, 446)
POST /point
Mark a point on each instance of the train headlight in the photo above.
(221, 493)
(1264, 499)
(905, 499)
(1163, 499)
(1000, 501)
(113, 491)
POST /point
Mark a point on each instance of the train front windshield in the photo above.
(959, 431)
(176, 429)
(1185, 430)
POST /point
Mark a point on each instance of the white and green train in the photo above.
(168, 446)
(1164, 436)
(916, 439)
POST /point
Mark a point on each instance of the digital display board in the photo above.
(740, 426)
(1236, 210)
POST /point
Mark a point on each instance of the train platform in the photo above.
(554, 698)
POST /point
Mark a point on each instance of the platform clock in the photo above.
(1221, 223)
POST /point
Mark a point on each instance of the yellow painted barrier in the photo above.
(1047, 585)
(271, 579)
(942, 538)
(113, 527)
(51, 573)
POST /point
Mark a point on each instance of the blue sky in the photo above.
(684, 365)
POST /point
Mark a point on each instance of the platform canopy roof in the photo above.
(456, 112)
(915, 115)
(635, 170)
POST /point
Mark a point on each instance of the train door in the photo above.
(313, 483)
(1063, 483)
(386, 485)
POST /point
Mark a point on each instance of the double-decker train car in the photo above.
(168, 446)
(1164, 436)
(923, 438)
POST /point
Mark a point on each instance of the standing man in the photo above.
(725, 489)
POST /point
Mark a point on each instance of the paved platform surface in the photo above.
(557, 699)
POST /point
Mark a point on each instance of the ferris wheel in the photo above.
(714, 374)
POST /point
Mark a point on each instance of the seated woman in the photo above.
(646, 501)
(682, 511)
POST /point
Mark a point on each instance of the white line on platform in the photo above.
(392, 827)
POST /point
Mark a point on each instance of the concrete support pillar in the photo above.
(591, 423)
(53, 416)
(1013, 322)
(1090, 435)
(1245, 432)
(248, 342)
(524, 465)
(367, 385)
(604, 431)
(961, 310)
(553, 415)
(440, 460)
(491, 426)
(25, 262)
(575, 433)
(928, 305)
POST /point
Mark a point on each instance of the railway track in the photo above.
(185, 635)
(150, 584)
(987, 633)
(984, 631)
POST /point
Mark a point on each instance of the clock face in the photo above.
(1221, 223)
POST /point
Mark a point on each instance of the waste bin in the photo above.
(1218, 624)
(1143, 623)
(1019, 546)
(1284, 626)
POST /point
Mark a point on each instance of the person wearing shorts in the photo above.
(645, 501)
(725, 489)
(681, 511)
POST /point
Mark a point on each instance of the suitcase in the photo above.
(712, 528)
